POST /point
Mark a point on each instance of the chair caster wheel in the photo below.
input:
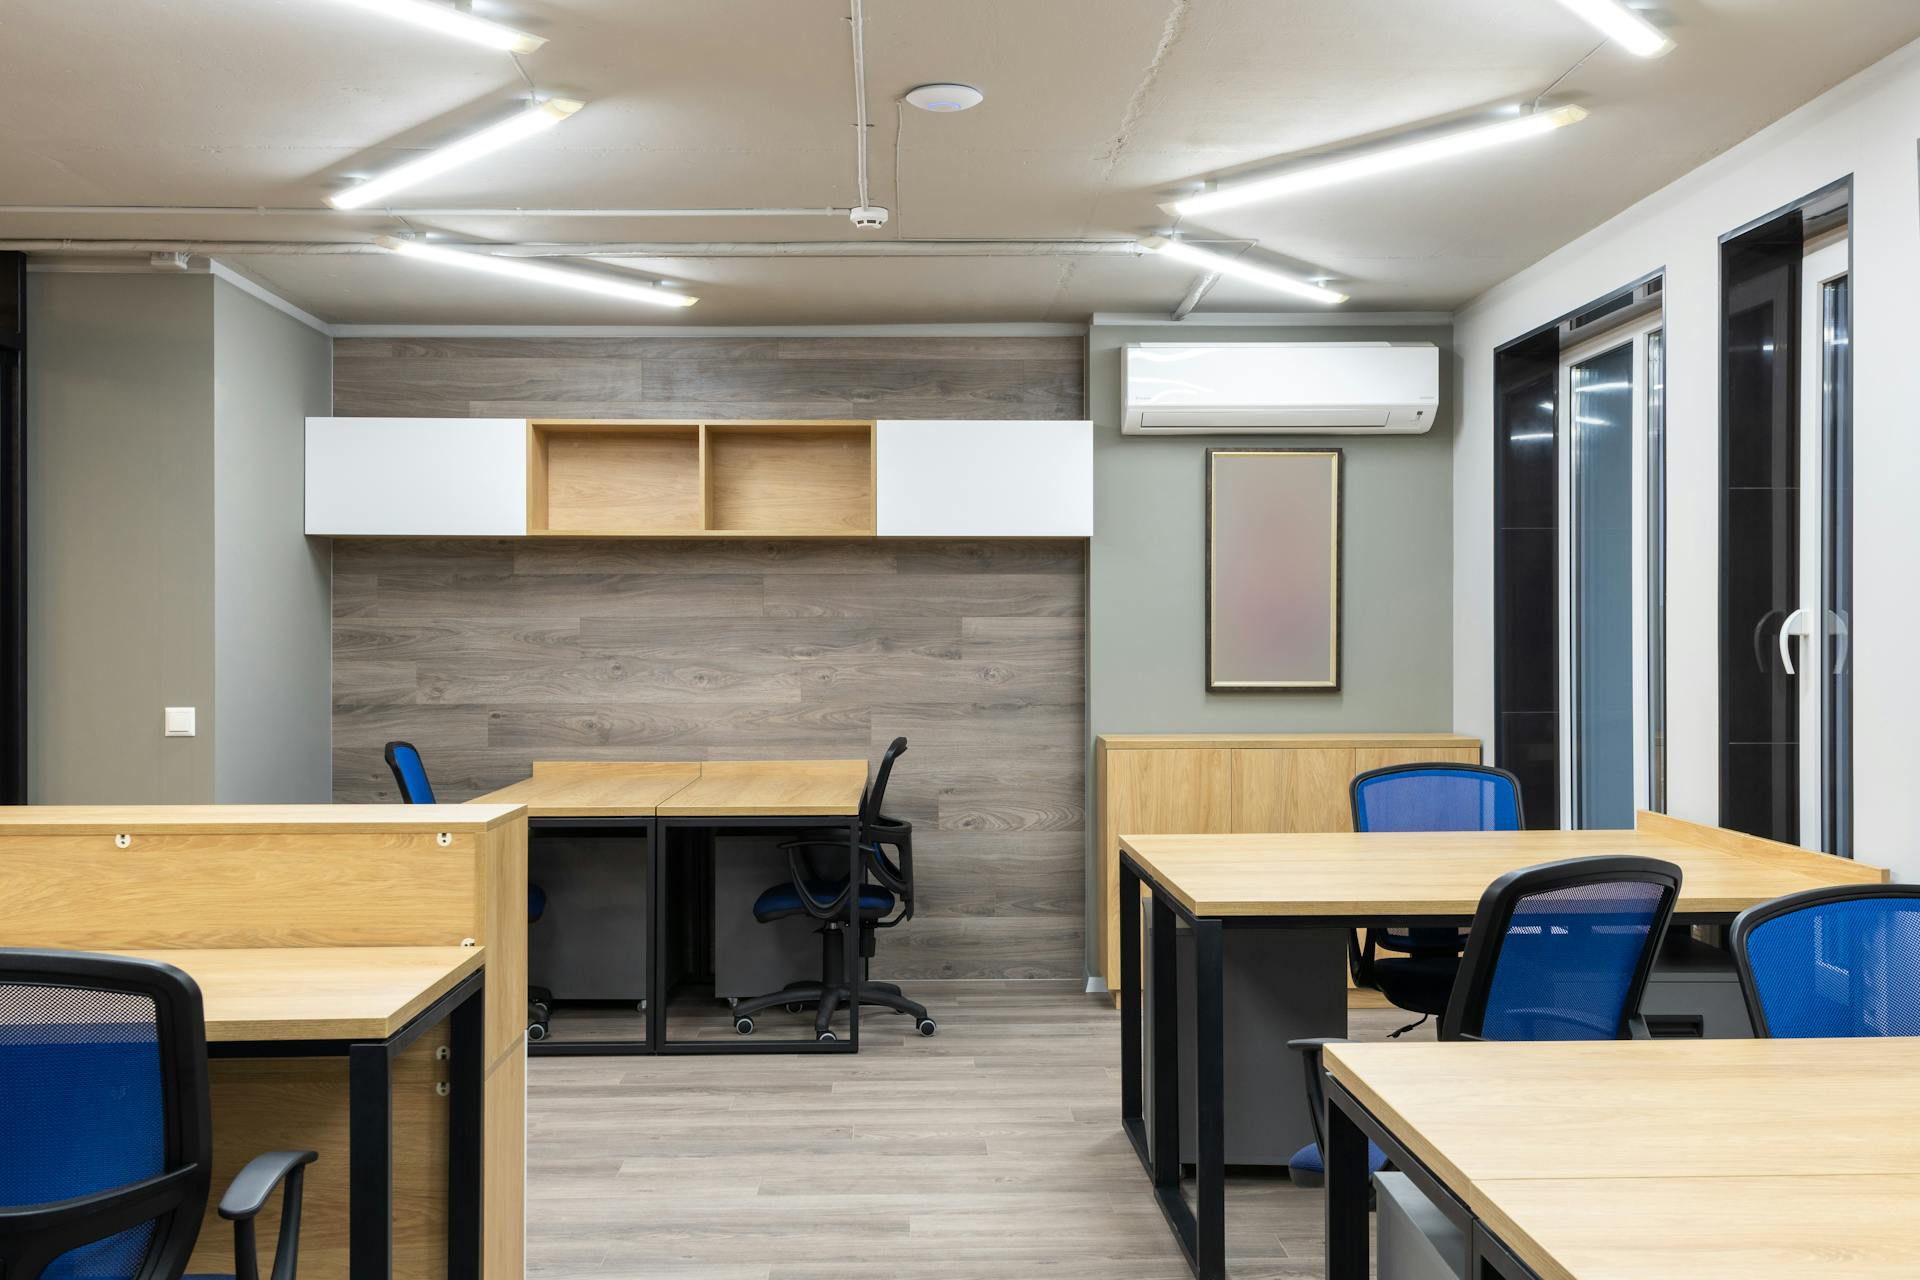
(826, 1035)
(541, 1011)
(928, 1026)
(743, 1025)
(795, 1008)
(536, 1031)
(640, 1006)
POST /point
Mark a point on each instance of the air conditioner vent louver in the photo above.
(1201, 388)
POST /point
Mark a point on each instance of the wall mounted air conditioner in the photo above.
(1203, 388)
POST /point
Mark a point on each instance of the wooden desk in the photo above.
(1361, 881)
(595, 789)
(771, 788)
(1613, 1160)
(674, 807)
(354, 960)
(1195, 783)
(318, 993)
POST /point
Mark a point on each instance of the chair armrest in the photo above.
(1309, 1051)
(801, 872)
(247, 1194)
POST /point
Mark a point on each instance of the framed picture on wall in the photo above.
(1273, 569)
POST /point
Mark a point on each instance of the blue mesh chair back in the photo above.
(103, 1097)
(1433, 797)
(1436, 797)
(409, 773)
(1841, 961)
(1562, 951)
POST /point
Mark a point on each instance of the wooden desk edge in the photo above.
(1758, 849)
(1275, 741)
(210, 819)
(230, 1030)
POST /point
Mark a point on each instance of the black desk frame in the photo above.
(657, 831)
(1201, 1228)
(370, 1125)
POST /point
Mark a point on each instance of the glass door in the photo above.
(1612, 573)
(1815, 637)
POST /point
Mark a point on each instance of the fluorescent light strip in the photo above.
(1623, 26)
(536, 273)
(1240, 269)
(450, 21)
(535, 119)
(1373, 163)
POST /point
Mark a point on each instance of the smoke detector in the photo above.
(868, 216)
(945, 97)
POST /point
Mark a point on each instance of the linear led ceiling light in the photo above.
(1623, 26)
(536, 273)
(1241, 269)
(535, 119)
(1385, 160)
(447, 20)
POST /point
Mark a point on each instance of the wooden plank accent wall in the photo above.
(487, 654)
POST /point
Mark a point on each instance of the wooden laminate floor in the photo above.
(991, 1150)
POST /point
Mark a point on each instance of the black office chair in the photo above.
(410, 775)
(1837, 962)
(1560, 951)
(1424, 797)
(824, 898)
(106, 1133)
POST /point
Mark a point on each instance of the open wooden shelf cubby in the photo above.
(609, 479)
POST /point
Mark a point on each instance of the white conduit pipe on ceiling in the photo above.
(619, 249)
(284, 211)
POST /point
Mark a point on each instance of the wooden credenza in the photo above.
(1196, 783)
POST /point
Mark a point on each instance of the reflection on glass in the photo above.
(1657, 571)
(1836, 579)
(1603, 485)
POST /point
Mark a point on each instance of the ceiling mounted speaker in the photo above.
(945, 97)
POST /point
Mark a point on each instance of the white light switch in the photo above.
(179, 722)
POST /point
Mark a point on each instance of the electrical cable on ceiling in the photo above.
(1541, 96)
(858, 21)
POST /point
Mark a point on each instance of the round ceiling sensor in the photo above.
(945, 97)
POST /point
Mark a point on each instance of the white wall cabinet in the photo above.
(417, 477)
(954, 479)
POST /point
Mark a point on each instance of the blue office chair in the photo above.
(410, 775)
(1560, 951)
(106, 1134)
(1841, 961)
(823, 897)
(1424, 797)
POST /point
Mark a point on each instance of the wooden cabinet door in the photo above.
(1292, 789)
(1154, 792)
(1365, 758)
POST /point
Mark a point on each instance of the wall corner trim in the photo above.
(245, 284)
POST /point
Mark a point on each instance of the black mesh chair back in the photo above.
(1562, 951)
(105, 1139)
(1842, 961)
(877, 793)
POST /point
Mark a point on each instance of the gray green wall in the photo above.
(166, 562)
(119, 536)
(1146, 615)
(273, 585)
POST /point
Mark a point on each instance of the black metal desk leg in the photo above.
(856, 966)
(370, 1173)
(1209, 1087)
(1131, 1109)
(1347, 1193)
(466, 1121)
(1165, 1146)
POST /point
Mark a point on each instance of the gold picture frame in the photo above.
(1273, 569)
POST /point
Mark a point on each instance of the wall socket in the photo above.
(179, 722)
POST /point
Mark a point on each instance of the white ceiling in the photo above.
(1096, 112)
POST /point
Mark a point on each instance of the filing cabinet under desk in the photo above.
(591, 941)
(750, 958)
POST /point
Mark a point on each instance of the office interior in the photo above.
(1109, 638)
